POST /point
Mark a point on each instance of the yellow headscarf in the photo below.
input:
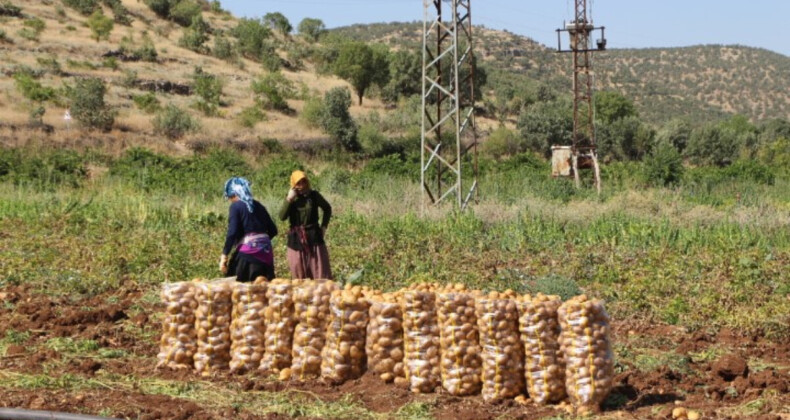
(297, 176)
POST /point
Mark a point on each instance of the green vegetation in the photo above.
(362, 66)
(336, 120)
(147, 102)
(84, 7)
(196, 35)
(88, 106)
(32, 29)
(278, 22)
(272, 90)
(100, 25)
(208, 88)
(311, 29)
(174, 122)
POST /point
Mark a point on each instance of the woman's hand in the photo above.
(291, 195)
(223, 264)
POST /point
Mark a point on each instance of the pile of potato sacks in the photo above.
(425, 337)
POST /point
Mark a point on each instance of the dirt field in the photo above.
(721, 375)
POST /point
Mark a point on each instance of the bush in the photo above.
(8, 9)
(119, 11)
(174, 122)
(312, 112)
(33, 28)
(269, 58)
(32, 89)
(502, 142)
(100, 25)
(664, 166)
(88, 106)
(196, 35)
(272, 90)
(111, 63)
(147, 102)
(184, 12)
(147, 51)
(713, 145)
(84, 7)
(250, 34)
(250, 116)
(208, 88)
(48, 168)
(224, 49)
(337, 121)
(160, 7)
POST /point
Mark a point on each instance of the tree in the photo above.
(612, 106)
(277, 21)
(100, 25)
(88, 106)
(664, 165)
(336, 120)
(183, 11)
(405, 71)
(251, 34)
(358, 64)
(312, 29)
(713, 145)
(546, 124)
(624, 139)
(675, 132)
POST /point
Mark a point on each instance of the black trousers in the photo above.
(247, 271)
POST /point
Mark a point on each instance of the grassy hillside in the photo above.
(703, 82)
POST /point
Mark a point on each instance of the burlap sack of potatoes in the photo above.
(343, 356)
(544, 365)
(311, 302)
(421, 341)
(212, 320)
(502, 351)
(178, 343)
(384, 342)
(585, 343)
(461, 364)
(280, 322)
(247, 328)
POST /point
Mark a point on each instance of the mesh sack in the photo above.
(384, 342)
(280, 321)
(461, 364)
(502, 351)
(421, 341)
(247, 328)
(544, 366)
(212, 320)
(178, 343)
(311, 302)
(343, 356)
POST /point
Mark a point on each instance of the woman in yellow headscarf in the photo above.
(307, 256)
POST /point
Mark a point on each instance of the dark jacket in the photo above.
(303, 212)
(242, 222)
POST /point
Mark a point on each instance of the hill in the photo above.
(146, 60)
(703, 82)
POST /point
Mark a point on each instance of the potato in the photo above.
(311, 302)
(246, 329)
(502, 353)
(343, 354)
(544, 365)
(178, 343)
(280, 323)
(461, 365)
(213, 314)
(584, 341)
(384, 342)
(421, 339)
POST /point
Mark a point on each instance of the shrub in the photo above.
(269, 58)
(111, 63)
(184, 12)
(250, 116)
(208, 88)
(664, 166)
(272, 90)
(224, 49)
(100, 25)
(196, 35)
(713, 145)
(174, 122)
(8, 9)
(32, 89)
(48, 168)
(250, 34)
(336, 120)
(160, 7)
(502, 142)
(88, 106)
(312, 112)
(32, 30)
(119, 11)
(147, 102)
(311, 29)
(84, 7)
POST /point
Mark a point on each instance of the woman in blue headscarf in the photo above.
(250, 228)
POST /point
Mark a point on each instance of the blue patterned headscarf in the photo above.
(239, 187)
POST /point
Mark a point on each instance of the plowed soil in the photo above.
(722, 374)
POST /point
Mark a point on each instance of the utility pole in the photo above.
(583, 150)
(448, 118)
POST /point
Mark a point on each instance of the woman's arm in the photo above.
(326, 209)
(234, 228)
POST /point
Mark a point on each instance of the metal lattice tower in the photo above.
(583, 150)
(448, 120)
